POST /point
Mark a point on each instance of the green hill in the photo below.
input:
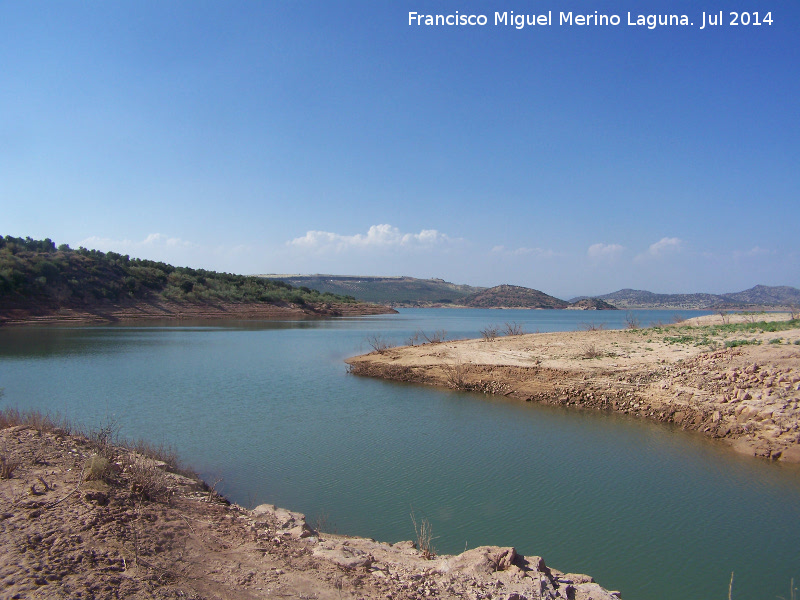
(35, 272)
(403, 291)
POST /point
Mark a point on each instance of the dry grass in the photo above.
(424, 535)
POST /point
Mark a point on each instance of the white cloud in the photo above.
(665, 245)
(754, 251)
(153, 240)
(605, 251)
(378, 236)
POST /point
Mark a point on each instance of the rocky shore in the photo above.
(82, 518)
(181, 311)
(735, 378)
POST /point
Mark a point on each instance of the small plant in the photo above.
(147, 480)
(590, 351)
(631, 320)
(424, 535)
(776, 341)
(489, 333)
(737, 343)
(514, 329)
(592, 326)
(676, 318)
(455, 374)
(725, 316)
(379, 344)
(413, 340)
(792, 591)
(436, 337)
(98, 468)
(7, 467)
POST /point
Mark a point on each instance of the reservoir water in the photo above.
(268, 409)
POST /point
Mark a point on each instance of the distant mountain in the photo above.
(760, 296)
(781, 295)
(512, 296)
(396, 291)
(591, 304)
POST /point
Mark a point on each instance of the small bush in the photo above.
(7, 467)
(631, 320)
(424, 535)
(379, 344)
(591, 351)
(489, 333)
(98, 468)
(592, 326)
(513, 329)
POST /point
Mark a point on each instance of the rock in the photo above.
(285, 521)
(344, 555)
(484, 560)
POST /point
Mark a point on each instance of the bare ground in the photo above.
(84, 519)
(180, 311)
(735, 378)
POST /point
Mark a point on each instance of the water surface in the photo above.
(268, 408)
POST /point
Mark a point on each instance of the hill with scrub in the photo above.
(760, 296)
(395, 291)
(38, 278)
(512, 296)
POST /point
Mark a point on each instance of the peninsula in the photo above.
(735, 378)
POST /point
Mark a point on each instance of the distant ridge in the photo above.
(760, 296)
(395, 291)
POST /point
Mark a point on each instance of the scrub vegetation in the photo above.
(38, 271)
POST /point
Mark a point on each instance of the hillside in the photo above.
(396, 291)
(591, 304)
(36, 278)
(512, 296)
(760, 296)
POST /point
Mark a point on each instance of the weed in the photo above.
(592, 326)
(676, 318)
(489, 333)
(513, 329)
(379, 344)
(455, 374)
(632, 320)
(424, 534)
(436, 337)
(776, 341)
(737, 343)
(590, 351)
(98, 468)
(7, 467)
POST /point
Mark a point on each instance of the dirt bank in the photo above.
(737, 380)
(80, 518)
(176, 311)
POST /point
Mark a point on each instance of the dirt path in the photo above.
(83, 519)
(737, 380)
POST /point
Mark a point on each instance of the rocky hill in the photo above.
(512, 296)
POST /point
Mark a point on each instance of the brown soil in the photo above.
(73, 525)
(172, 311)
(746, 395)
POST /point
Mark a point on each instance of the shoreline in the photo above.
(735, 381)
(177, 311)
(84, 517)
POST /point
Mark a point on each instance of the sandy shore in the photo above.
(735, 378)
(175, 311)
(81, 518)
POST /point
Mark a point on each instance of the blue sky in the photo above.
(332, 137)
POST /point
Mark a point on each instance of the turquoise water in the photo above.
(269, 409)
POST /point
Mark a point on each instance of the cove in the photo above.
(269, 409)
